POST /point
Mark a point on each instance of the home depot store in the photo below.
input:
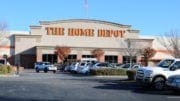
(81, 35)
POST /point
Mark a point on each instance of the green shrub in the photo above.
(107, 71)
(5, 69)
(131, 74)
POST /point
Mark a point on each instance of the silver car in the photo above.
(84, 68)
(174, 82)
(74, 67)
(45, 66)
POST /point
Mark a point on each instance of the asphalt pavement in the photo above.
(32, 86)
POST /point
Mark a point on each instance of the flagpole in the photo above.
(86, 6)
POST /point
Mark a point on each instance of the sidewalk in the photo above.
(9, 75)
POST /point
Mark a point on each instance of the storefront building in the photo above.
(81, 35)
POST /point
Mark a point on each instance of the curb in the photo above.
(13, 75)
(115, 76)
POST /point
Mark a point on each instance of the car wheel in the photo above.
(54, 71)
(86, 73)
(159, 83)
(37, 70)
(45, 70)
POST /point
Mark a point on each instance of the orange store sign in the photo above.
(85, 32)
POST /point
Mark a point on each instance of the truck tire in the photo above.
(159, 83)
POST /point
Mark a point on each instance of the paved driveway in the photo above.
(31, 86)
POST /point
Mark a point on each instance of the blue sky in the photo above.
(151, 17)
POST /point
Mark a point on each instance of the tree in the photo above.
(98, 53)
(3, 36)
(147, 53)
(62, 52)
(171, 41)
(132, 48)
(3, 27)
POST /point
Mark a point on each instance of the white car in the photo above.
(84, 68)
(44, 66)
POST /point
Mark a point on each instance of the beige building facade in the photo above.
(82, 36)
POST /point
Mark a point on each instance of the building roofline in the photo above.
(53, 47)
(22, 35)
(140, 39)
(84, 20)
(133, 31)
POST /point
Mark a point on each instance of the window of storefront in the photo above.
(111, 58)
(72, 58)
(126, 59)
(52, 58)
(87, 56)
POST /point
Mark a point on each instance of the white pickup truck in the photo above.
(157, 76)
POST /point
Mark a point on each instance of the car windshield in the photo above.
(2, 61)
(165, 63)
(47, 63)
(82, 64)
(128, 65)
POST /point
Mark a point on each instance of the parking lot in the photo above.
(32, 86)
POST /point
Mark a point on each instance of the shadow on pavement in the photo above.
(122, 84)
(132, 86)
(24, 99)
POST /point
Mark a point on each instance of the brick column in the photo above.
(79, 56)
(138, 59)
(120, 59)
(38, 55)
(102, 59)
(58, 59)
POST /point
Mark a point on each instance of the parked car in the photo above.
(73, 67)
(117, 65)
(174, 82)
(100, 65)
(84, 68)
(45, 66)
(4, 62)
(129, 66)
(157, 76)
(66, 67)
(89, 60)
